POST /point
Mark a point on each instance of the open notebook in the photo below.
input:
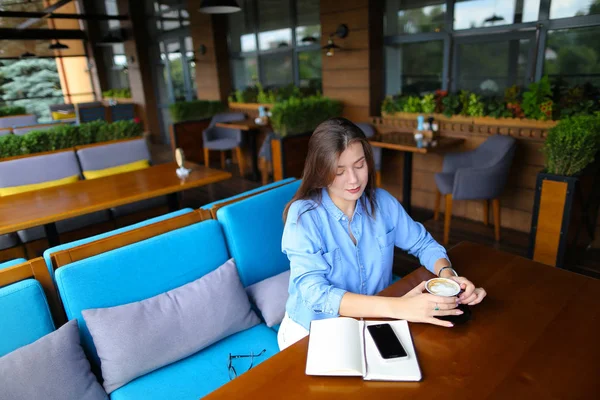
(344, 347)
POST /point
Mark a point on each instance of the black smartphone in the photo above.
(387, 342)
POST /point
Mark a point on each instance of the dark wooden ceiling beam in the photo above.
(42, 34)
(40, 14)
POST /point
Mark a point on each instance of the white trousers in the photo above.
(290, 332)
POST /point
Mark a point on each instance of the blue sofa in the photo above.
(24, 313)
(137, 271)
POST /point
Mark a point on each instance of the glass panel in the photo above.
(307, 35)
(189, 48)
(574, 55)
(417, 17)
(492, 66)
(241, 29)
(308, 21)
(274, 22)
(245, 72)
(572, 8)
(414, 68)
(277, 69)
(281, 38)
(485, 13)
(176, 70)
(309, 68)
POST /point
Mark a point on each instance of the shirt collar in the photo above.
(334, 210)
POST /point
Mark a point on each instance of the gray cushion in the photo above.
(53, 367)
(37, 169)
(221, 144)
(8, 240)
(444, 182)
(270, 297)
(111, 155)
(18, 120)
(137, 338)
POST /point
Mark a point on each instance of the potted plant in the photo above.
(565, 211)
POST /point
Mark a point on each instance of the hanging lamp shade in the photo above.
(28, 54)
(219, 6)
(58, 46)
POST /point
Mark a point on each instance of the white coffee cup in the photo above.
(442, 287)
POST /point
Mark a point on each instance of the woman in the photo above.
(339, 236)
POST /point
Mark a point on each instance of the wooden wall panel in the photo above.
(332, 6)
(356, 19)
(345, 59)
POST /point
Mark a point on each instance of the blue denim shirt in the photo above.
(325, 263)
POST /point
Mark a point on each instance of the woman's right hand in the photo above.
(416, 306)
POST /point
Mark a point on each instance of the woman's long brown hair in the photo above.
(326, 144)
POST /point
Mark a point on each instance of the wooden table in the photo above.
(252, 128)
(47, 206)
(405, 143)
(534, 337)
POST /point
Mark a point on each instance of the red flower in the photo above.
(137, 120)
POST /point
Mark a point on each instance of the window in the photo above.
(573, 55)
(573, 8)
(484, 13)
(492, 66)
(268, 47)
(414, 68)
(412, 17)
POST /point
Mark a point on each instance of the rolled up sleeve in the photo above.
(301, 243)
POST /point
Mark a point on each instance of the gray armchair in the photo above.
(479, 174)
(369, 131)
(223, 139)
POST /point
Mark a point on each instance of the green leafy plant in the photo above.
(496, 108)
(124, 93)
(11, 145)
(388, 105)
(572, 145)
(196, 109)
(428, 103)
(463, 97)
(412, 105)
(301, 115)
(537, 94)
(63, 136)
(475, 107)
(451, 105)
(118, 130)
(12, 110)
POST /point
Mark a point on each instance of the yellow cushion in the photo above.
(60, 115)
(36, 186)
(119, 169)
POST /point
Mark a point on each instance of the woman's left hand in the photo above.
(470, 295)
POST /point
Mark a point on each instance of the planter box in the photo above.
(564, 217)
(187, 135)
(288, 155)
(249, 106)
(461, 119)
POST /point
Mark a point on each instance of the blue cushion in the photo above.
(276, 327)
(76, 243)
(253, 228)
(24, 315)
(139, 271)
(258, 189)
(12, 262)
(205, 371)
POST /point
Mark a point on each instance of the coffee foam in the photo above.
(443, 287)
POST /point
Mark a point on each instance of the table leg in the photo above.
(173, 202)
(254, 155)
(52, 234)
(407, 182)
